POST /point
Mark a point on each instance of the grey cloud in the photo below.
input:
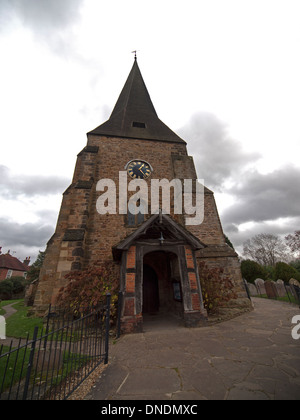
(12, 186)
(13, 234)
(258, 198)
(48, 19)
(265, 197)
(24, 240)
(49, 215)
(217, 156)
(261, 199)
(43, 15)
(238, 237)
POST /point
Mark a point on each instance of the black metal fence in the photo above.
(52, 364)
(297, 292)
(293, 293)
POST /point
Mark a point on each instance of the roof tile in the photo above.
(12, 263)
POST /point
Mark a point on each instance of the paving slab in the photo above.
(251, 357)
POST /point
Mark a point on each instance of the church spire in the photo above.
(134, 115)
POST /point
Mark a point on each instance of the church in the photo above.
(159, 250)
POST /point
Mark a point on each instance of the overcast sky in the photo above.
(223, 74)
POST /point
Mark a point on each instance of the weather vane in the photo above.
(134, 52)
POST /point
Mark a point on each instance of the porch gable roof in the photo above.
(158, 223)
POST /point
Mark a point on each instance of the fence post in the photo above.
(30, 364)
(47, 326)
(297, 292)
(247, 289)
(107, 325)
(120, 302)
(287, 292)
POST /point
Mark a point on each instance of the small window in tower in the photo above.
(139, 218)
(138, 124)
(135, 219)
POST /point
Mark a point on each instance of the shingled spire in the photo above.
(134, 115)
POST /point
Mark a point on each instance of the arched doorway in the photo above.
(170, 251)
(162, 284)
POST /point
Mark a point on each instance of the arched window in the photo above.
(139, 218)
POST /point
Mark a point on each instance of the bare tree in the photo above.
(266, 249)
(293, 242)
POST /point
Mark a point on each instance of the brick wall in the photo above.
(4, 271)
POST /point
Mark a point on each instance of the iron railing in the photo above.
(57, 359)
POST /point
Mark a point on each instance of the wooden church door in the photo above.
(150, 290)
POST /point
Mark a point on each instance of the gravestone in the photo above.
(294, 282)
(280, 288)
(271, 289)
(252, 289)
(289, 289)
(260, 284)
(297, 292)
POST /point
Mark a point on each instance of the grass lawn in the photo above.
(14, 369)
(281, 299)
(19, 324)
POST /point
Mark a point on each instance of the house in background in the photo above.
(12, 267)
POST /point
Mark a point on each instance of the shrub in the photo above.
(251, 271)
(270, 272)
(6, 289)
(296, 265)
(12, 286)
(19, 284)
(285, 272)
(88, 288)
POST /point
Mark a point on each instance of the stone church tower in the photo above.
(158, 253)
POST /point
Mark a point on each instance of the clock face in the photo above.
(138, 169)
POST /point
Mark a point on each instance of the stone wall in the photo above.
(224, 258)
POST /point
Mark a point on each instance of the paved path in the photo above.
(9, 310)
(252, 357)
